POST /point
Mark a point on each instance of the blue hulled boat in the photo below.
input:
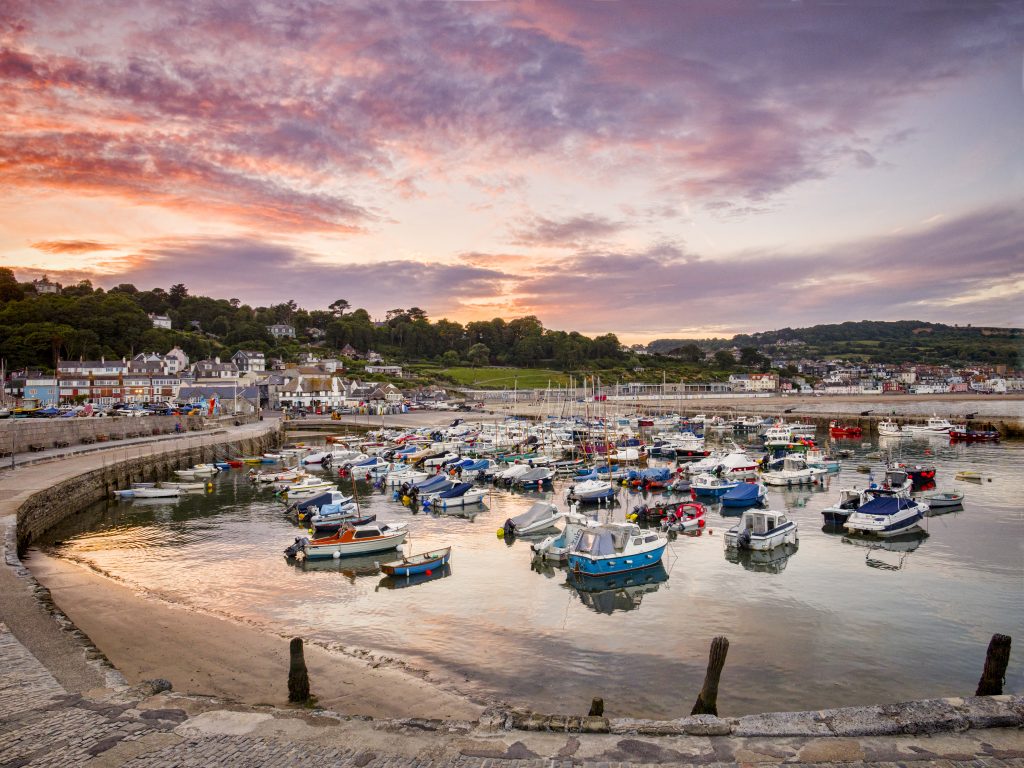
(615, 548)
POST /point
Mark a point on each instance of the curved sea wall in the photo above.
(66, 498)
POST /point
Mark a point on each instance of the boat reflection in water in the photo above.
(350, 567)
(888, 554)
(762, 560)
(400, 582)
(617, 591)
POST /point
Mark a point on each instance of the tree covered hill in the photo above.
(877, 341)
(81, 321)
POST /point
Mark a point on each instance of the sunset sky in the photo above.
(653, 169)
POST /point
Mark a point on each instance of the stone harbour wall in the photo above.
(24, 435)
(45, 509)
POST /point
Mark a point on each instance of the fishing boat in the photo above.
(353, 540)
(794, 471)
(540, 517)
(920, 474)
(943, 499)
(885, 516)
(837, 429)
(744, 495)
(761, 530)
(412, 565)
(615, 548)
(962, 434)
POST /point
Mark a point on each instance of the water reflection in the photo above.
(616, 592)
(764, 560)
(350, 567)
(888, 554)
(401, 582)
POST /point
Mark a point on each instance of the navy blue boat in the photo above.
(744, 495)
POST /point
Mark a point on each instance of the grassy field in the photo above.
(502, 378)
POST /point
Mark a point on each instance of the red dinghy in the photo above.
(835, 429)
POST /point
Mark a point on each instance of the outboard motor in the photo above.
(509, 529)
(325, 462)
(743, 540)
(298, 546)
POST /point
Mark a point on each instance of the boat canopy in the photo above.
(601, 541)
(886, 505)
(539, 511)
(455, 491)
(743, 492)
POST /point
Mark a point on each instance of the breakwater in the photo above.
(69, 495)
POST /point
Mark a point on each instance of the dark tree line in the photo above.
(86, 322)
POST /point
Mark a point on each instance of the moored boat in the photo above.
(540, 517)
(615, 548)
(744, 495)
(838, 429)
(425, 562)
(943, 499)
(885, 516)
(353, 540)
(761, 530)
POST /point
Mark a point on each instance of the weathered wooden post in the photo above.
(298, 677)
(596, 707)
(996, 659)
(707, 699)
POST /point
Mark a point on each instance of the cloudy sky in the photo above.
(649, 168)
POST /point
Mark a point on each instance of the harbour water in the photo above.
(837, 622)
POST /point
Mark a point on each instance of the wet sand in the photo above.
(200, 654)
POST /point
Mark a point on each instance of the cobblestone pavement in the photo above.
(144, 727)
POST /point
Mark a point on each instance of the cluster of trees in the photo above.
(901, 341)
(85, 322)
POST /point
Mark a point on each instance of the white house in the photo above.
(161, 321)
(176, 360)
(281, 331)
(387, 370)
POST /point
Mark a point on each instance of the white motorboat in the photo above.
(592, 490)
(555, 548)
(885, 516)
(185, 486)
(934, 426)
(315, 458)
(309, 486)
(357, 540)
(510, 474)
(738, 466)
(540, 517)
(889, 428)
(535, 478)
(474, 496)
(795, 471)
(708, 484)
(761, 530)
(397, 479)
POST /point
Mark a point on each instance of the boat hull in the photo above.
(603, 566)
(321, 552)
(759, 542)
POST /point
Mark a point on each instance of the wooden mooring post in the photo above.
(707, 699)
(996, 660)
(596, 707)
(298, 676)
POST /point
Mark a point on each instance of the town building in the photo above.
(161, 321)
(281, 331)
(386, 370)
(249, 361)
(206, 371)
(177, 360)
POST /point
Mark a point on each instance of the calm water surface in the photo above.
(833, 623)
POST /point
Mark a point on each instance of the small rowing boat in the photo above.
(425, 562)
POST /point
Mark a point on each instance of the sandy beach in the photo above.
(200, 654)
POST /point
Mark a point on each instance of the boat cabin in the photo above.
(760, 522)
